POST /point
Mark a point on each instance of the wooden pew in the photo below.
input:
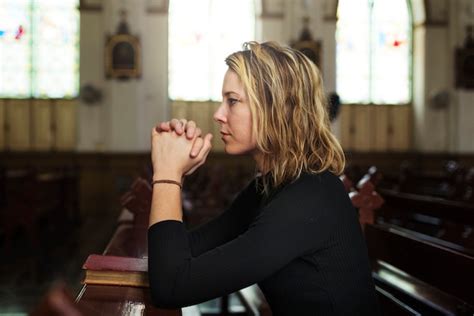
(452, 182)
(59, 302)
(128, 240)
(391, 282)
(450, 221)
(436, 278)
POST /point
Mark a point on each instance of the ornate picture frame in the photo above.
(312, 50)
(123, 57)
(465, 68)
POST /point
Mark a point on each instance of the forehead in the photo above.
(232, 83)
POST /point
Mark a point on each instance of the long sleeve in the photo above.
(228, 225)
(289, 226)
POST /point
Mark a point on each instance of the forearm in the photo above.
(166, 199)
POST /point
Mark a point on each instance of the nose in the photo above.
(219, 116)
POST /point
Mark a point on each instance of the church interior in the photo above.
(82, 82)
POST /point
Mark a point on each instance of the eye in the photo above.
(232, 101)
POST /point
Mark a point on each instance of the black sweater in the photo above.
(303, 246)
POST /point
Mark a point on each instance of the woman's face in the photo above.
(234, 117)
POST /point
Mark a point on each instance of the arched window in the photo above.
(202, 33)
(374, 51)
(39, 51)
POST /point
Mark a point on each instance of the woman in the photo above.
(293, 229)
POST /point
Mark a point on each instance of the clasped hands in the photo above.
(178, 149)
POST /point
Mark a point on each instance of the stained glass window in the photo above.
(201, 35)
(39, 53)
(373, 51)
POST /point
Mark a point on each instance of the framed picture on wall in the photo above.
(123, 57)
(465, 68)
(312, 50)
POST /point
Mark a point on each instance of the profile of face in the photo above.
(235, 117)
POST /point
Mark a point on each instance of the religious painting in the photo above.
(307, 45)
(465, 61)
(465, 68)
(122, 57)
(312, 50)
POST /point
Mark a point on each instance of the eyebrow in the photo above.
(227, 93)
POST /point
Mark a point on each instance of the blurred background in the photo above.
(83, 81)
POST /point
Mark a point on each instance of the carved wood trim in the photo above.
(270, 15)
(85, 5)
(161, 9)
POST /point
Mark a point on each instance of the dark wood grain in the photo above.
(119, 300)
(446, 269)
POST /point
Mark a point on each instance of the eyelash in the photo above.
(232, 101)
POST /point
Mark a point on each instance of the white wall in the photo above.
(123, 119)
(462, 109)
(121, 122)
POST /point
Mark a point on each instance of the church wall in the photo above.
(449, 128)
(122, 120)
(128, 109)
(462, 100)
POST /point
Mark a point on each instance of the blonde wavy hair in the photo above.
(290, 118)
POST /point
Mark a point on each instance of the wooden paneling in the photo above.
(2, 124)
(381, 119)
(363, 127)
(37, 124)
(401, 128)
(346, 127)
(42, 136)
(65, 124)
(18, 120)
(217, 143)
(179, 109)
(202, 113)
(376, 127)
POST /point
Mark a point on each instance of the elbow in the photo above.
(162, 297)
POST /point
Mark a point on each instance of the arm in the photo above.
(170, 161)
(272, 241)
(228, 225)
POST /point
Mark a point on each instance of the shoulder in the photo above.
(310, 194)
(312, 185)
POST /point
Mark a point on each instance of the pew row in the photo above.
(451, 222)
(128, 240)
(443, 282)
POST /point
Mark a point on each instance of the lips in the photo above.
(223, 133)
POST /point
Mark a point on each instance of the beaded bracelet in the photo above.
(167, 181)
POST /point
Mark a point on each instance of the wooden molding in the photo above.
(266, 14)
(161, 8)
(89, 5)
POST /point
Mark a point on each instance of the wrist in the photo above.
(168, 175)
